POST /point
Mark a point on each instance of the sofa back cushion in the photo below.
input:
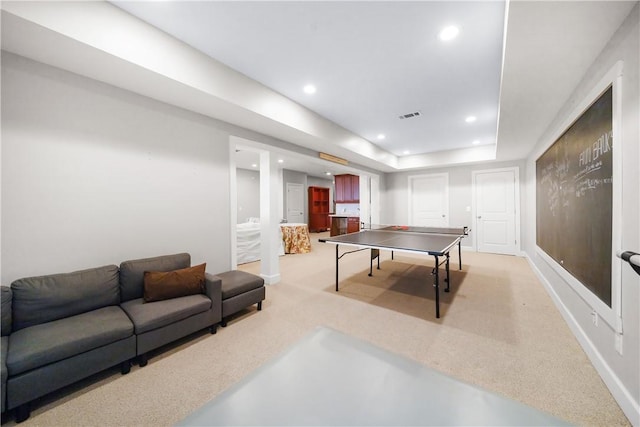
(159, 286)
(6, 310)
(42, 299)
(132, 272)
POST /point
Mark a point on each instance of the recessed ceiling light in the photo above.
(280, 161)
(309, 89)
(476, 142)
(381, 136)
(448, 33)
(470, 119)
(254, 165)
(405, 152)
(327, 173)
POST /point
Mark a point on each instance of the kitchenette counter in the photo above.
(344, 224)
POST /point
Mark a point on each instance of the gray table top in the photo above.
(432, 244)
(330, 379)
(416, 229)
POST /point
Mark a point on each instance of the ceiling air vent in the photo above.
(408, 116)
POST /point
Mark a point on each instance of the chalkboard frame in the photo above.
(610, 314)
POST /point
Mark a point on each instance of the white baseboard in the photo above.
(270, 280)
(629, 406)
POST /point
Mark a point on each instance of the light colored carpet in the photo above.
(498, 330)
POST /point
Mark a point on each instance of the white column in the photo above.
(269, 219)
(365, 200)
(233, 204)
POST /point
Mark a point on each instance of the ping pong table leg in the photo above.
(437, 286)
(460, 254)
(375, 253)
(337, 260)
(447, 269)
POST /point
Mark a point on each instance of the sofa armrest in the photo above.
(213, 289)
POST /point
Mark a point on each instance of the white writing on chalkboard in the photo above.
(600, 147)
(590, 160)
(555, 178)
(590, 184)
(547, 181)
(588, 169)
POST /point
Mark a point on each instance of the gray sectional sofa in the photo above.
(58, 329)
(161, 322)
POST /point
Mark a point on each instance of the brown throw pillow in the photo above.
(159, 286)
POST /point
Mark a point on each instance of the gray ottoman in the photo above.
(239, 291)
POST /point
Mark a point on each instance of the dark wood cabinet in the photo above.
(319, 204)
(347, 188)
(344, 225)
(343, 188)
(353, 224)
(340, 190)
(355, 188)
(338, 226)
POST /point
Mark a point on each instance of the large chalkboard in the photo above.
(574, 198)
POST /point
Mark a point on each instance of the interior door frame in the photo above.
(412, 178)
(516, 203)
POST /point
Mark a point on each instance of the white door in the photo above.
(429, 200)
(295, 202)
(496, 202)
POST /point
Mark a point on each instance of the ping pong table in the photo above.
(434, 241)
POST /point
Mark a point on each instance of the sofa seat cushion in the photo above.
(147, 316)
(43, 344)
(238, 282)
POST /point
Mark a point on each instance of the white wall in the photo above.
(248, 185)
(621, 372)
(396, 194)
(94, 175)
(248, 190)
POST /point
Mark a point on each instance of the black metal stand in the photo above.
(436, 273)
(338, 256)
(437, 286)
(375, 254)
(438, 256)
